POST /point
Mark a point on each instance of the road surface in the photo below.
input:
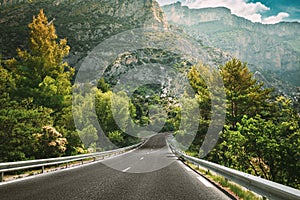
(151, 172)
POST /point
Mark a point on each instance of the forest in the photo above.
(260, 135)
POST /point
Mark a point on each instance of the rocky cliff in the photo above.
(85, 24)
(274, 48)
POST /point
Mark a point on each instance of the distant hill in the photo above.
(274, 50)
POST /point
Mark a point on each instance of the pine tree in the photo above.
(44, 79)
(18, 122)
(245, 96)
(41, 72)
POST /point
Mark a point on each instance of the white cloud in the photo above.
(250, 11)
(275, 19)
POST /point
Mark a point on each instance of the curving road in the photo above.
(150, 172)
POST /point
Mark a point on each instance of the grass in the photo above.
(237, 191)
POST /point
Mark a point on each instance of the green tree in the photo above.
(245, 96)
(7, 85)
(209, 93)
(102, 85)
(43, 83)
(268, 148)
(49, 143)
(18, 123)
(40, 72)
(113, 113)
(110, 106)
(116, 137)
(83, 113)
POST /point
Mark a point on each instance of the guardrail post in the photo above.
(226, 180)
(43, 169)
(66, 164)
(94, 158)
(2, 177)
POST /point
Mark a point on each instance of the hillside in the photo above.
(84, 23)
(87, 24)
(271, 49)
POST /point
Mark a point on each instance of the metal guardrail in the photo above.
(28, 164)
(266, 188)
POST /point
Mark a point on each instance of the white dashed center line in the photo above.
(125, 170)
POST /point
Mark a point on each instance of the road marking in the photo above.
(185, 167)
(125, 170)
(188, 169)
(204, 181)
(141, 158)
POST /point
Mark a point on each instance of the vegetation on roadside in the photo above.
(230, 187)
(260, 135)
(36, 111)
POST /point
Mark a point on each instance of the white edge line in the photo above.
(200, 178)
(204, 181)
(188, 169)
(62, 170)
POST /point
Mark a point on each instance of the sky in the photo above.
(263, 11)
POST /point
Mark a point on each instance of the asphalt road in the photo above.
(150, 172)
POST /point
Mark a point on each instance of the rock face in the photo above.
(274, 48)
(85, 24)
(163, 57)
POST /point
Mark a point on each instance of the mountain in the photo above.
(273, 50)
(85, 24)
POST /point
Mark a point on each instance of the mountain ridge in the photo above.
(274, 48)
(86, 24)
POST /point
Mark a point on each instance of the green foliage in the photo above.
(207, 86)
(261, 134)
(41, 73)
(116, 137)
(83, 112)
(7, 83)
(113, 113)
(172, 123)
(88, 135)
(101, 85)
(18, 123)
(35, 97)
(270, 148)
(49, 143)
(244, 95)
(105, 113)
